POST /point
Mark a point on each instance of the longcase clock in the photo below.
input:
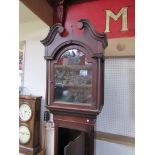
(75, 85)
(29, 124)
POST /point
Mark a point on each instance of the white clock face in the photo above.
(24, 134)
(25, 112)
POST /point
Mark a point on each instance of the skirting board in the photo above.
(119, 139)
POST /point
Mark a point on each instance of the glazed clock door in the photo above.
(73, 78)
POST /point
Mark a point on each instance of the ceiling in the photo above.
(30, 25)
(25, 14)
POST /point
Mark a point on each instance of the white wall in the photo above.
(34, 70)
(107, 148)
(34, 63)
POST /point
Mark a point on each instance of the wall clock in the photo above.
(29, 124)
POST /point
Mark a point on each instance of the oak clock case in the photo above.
(75, 81)
(29, 124)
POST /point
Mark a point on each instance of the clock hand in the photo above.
(22, 133)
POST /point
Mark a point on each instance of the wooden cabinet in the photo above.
(75, 81)
(29, 124)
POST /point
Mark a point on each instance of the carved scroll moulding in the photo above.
(91, 40)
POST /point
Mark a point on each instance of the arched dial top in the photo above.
(73, 78)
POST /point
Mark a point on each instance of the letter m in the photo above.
(123, 13)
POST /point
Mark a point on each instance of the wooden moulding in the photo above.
(114, 138)
(91, 40)
(120, 47)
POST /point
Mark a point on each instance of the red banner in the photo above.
(114, 17)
